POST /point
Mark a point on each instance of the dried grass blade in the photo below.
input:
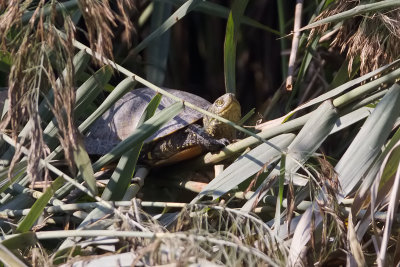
(85, 95)
(393, 204)
(355, 246)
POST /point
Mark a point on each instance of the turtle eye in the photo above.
(219, 102)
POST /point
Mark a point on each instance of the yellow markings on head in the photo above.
(219, 102)
(227, 107)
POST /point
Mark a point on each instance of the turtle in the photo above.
(183, 137)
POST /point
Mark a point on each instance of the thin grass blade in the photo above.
(85, 95)
(121, 177)
(18, 171)
(388, 172)
(84, 165)
(360, 155)
(232, 30)
(246, 166)
(6, 256)
(392, 208)
(354, 163)
(140, 134)
(38, 207)
(122, 88)
(356, 11)
(80, 62)
(181, 12)
(218, 10)
(158, 50)
(309, 139)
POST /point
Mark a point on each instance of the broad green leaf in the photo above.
(174, 18)
(308, 140)
(390, 167)
(368, 143)
(20, 241)
(351, 118)
(7, 257)
(231, 36)
(158, 50)
(388, 172)
(84, 165)
(38, 207)
(392, 164)
(122, 175)
(355, 162)
(246, 166)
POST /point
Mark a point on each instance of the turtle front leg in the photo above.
(188, 143)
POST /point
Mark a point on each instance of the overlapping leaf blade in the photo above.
(246, 166)
(354, 164)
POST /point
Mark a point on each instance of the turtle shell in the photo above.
(122, 118)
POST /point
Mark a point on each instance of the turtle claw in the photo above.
(224, 141)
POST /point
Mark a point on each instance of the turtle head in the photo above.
(227, 107)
